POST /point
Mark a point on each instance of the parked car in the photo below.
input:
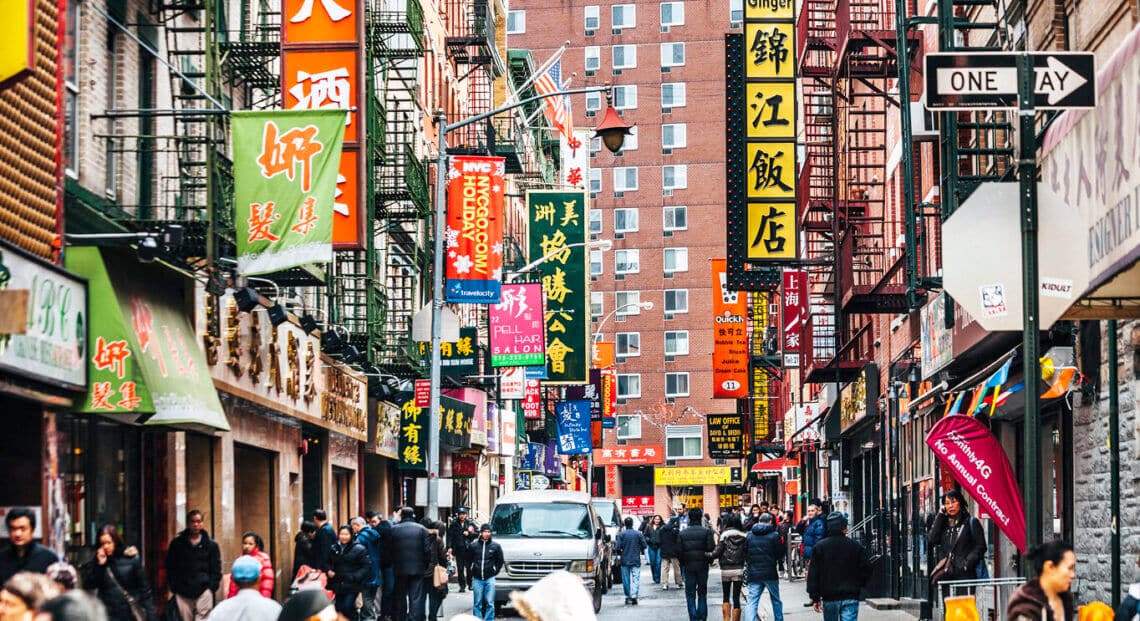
(609, 512)
(546, 531)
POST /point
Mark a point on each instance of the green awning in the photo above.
(140, 333)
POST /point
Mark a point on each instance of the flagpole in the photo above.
(538, 72)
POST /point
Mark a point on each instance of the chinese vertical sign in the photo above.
(455, 419)
(322, 44)
(730, 337)
(761, 405)
(285, 171)
(516, 325)
(795, 315)
(573, 427)
(726, 436)
(557, 222)
(576, 160)
(474, 259)
(414, 432)
(532, 400)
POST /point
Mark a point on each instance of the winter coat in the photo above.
(839, 569)
(370, 538)
(351, 566)
(459, 535)
(1029, 602)
(763, 550)
(630, 544)
(438, 553)
(411, 548)
(486, 558)
(670, 547)
(128, 571)
(813, 534)
(695, 544)
(36, 559)
(323, 543)
(731, 551)
(193, 569)
(965, 540)
(385, 530)
(265, 583)
(653, 536)
(1130, 606)
(302, 552)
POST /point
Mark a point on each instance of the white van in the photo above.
(545, 531)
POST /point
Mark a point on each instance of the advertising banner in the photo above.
(531, 456)
(455, 419)
(576, 159)
(699, 475)
(558, 221)
(456, 358)
(477, 423)
(630, 456)
(603, 354)
(726, 436)
(937, 339)
(507, 425)
(387, 437)
(414, 432)
(573, 427)
(730, 337)
(637, 505)
(551, 465)
(285, 174)
(609, 398)
(475, 187)
(512, 383)
(794, 307)
(974, 457)
(516, 325)
(761, 405)
(532, 401)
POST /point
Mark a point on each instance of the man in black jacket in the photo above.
(695, 542)
(411, 550)
(460, 533)
(23, 554)
(839, 569)
(323, 541)
(669, 553)
(194, 569)
(486, 562)
(764, 550)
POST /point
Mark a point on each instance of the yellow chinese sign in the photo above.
(771, 110)
(770, 229)
(769, 9)
(704, 475)
(17, 45)
(413, 434)
(771, 170)
(769, 51)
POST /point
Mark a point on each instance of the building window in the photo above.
(71, 89)
(593, 58)
(597, 303)
(735, 12)
(516, 22)
(676, 301)
(627, 261)
(625, 179)
(673, 136)
(627, 302)
(593, 19)
(624, 16)
(677, 343)
(627, 344)
(595, 187)
(676, 260)
(595, 262)
(676, 384)
(673, 95)
(676, 218)
(675, 177)
(672, 54)
(625, 220)
(629, 426)
(683, 441)
(672, 13)
(625, 97)
(629, 386)
(593, 102)
(624, 56)
(595, 220)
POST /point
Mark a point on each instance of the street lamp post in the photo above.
(597, 244)
(612, 131)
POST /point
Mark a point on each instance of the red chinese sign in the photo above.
(475, 187)
(630, 456)
(795, 315)
(730, 337)
(637, 505)
(423, 393)
(532, 402)
(611, 482)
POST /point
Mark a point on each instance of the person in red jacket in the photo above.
(253, 545)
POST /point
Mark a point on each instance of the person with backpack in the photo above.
(959, 539)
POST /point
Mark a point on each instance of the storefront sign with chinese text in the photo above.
(726, 436)
(285, 174)
(532, 400)
(637, 505)
(859, 397)
(414, 430)
(603, 354)
(794, 306)
(630, 456)
(576, 159)
(456, 358)
(698, 475)
(611, 482)
(18, 54)
(573, 427)
(478, 399)
(557, 222)
(761, 405)
(730, 337)
(463, 466)
(455, 419)
(344, 399)
(516, 326)
(512, 383)
(475, 187)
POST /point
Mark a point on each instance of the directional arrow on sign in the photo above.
(989, 80)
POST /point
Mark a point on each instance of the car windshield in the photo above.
(541, 520)
(606, 510)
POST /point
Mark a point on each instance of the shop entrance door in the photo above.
(342, 495)
(313, 472)
(255, 490)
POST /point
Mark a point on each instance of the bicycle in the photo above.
(795, 558)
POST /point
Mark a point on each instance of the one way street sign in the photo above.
(957, 81)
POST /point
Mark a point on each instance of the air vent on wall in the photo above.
(667, 234)
(666, 70)
(666, 151)
(666, 110)
(619, 235)
(590, 72)
(667, 192)
(589, 33)
(668, 316)
(617, 71)
(664, 29)
(616, 31)
(669, 358)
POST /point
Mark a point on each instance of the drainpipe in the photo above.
(1114, 458)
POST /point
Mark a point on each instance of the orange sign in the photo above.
(320, 21)
(603, 354)
(730, 337)
(316, 79)
(347, 219)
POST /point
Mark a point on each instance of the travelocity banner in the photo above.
(730, 337)
(285, 173)
(976, 461)
(516, 327)
(475, 188)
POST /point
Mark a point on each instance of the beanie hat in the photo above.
(485, 528)
(245, 570)
(836, 521)
(304, 604)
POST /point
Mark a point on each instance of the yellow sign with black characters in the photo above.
(769, 51)
(771, 110)
(704, 475)
(771, 227)
(771, 170)
(769, 9)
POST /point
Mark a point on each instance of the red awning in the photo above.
(773, 465)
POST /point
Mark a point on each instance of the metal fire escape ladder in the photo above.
(251, 57)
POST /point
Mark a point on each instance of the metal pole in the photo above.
(911, 229)
(1027, 174)
(1114, 458)
(436, 312)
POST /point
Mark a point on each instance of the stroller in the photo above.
(310, 578)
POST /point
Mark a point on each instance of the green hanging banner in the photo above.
(414, 431)
(285, 174)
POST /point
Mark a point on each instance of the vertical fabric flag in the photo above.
(576, 160)
(285, 173)
(516, 325)
(556, 108)
(730, 339)
(558, 232)
(475, 187)
(574, 427)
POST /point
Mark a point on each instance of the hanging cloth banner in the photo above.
(574, 427)
(977, 462)
(285, 170)
(475, 187)
(730, 337)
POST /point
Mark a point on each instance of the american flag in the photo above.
(556, 109)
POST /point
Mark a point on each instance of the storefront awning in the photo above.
(143, 352)
(773, 466)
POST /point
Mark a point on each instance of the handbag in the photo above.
(137, 611)
(441, 577)
(945, 566)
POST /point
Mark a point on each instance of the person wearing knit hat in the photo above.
(838, 572)
(308, 605)
(248, 604)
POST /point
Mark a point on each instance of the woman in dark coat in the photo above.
(303, 547)
(116, 575)
(351, 567)
(435, 596)
(653, 541)
(732, 550)
(958, 536)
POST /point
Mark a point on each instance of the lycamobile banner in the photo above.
(285, 172)
(475, 229)
(977, 462)
(516, 327)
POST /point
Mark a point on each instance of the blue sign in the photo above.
(522, 480)
(573, 427)
(531, 456)
(552, 466)
(609, 422)
(538, 373)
